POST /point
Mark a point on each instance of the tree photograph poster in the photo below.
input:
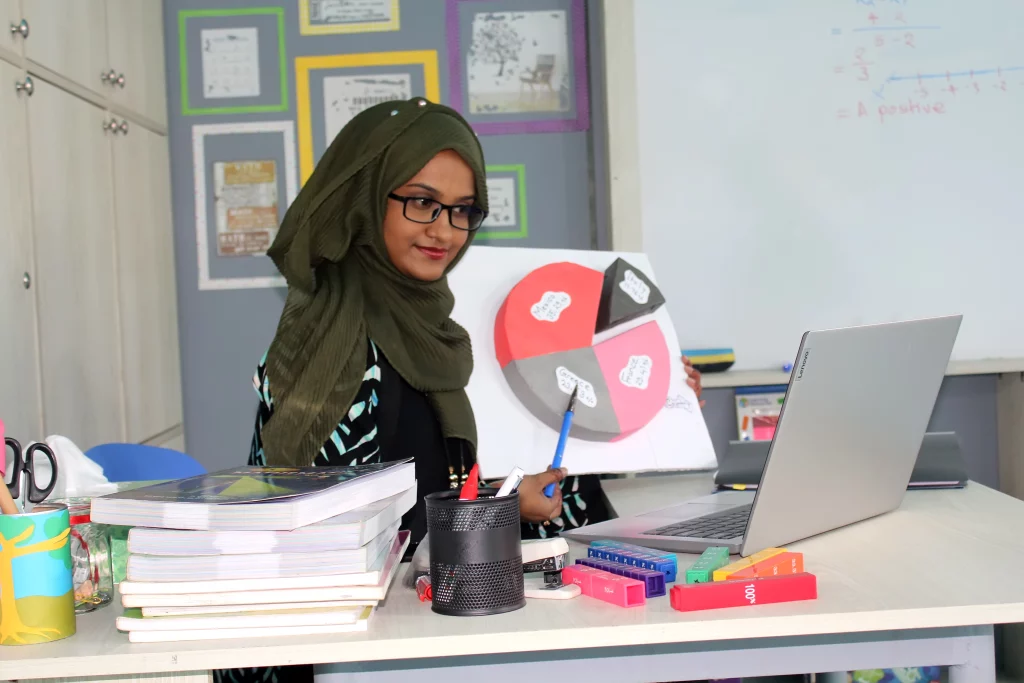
(518, 62)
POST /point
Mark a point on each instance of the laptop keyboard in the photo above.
(723, 525)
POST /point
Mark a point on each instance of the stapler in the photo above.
(548, 556)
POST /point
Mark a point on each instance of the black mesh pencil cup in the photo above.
(476, 556)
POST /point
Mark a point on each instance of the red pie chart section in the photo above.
(544, 343)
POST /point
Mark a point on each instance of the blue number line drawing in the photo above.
(897, 28)
(950, 74)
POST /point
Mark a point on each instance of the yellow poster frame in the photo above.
(304, 66)
(308, 29)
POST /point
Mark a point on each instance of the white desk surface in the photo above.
(945, 558)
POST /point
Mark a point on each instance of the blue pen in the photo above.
(549, 490)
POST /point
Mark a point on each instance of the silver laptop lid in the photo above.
(858, 404)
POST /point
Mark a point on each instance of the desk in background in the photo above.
(921, 585)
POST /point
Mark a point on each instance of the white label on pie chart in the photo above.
(551, 305)
(635, 288)
(568, 380)
(637, 372)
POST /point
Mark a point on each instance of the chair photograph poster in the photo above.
(519, 66)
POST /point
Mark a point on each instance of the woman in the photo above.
(365, 342)
(366, 364)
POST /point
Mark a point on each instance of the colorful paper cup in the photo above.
(37, 600)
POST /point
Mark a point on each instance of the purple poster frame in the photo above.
(578, 35)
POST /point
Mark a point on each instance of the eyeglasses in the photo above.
(425, 210)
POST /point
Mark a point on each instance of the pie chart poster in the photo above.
(511, 434)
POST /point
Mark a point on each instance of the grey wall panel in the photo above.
(556, 187)
(225, 333)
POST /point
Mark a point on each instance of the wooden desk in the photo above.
(919, 586)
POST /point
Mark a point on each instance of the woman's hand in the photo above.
(693, 378)
(534, 506)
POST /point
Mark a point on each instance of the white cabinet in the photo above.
(136, 52)
(90, 349)
(69, 38)
(10, 17)
(19, 361)
(145, 250)
(76, 281)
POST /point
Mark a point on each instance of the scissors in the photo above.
(25, 462)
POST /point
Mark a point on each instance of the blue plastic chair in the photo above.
(135, 462)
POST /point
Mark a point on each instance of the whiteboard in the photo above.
(808, 164)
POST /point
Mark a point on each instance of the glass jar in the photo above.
(90, 558)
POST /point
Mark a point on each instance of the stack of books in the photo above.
(260, 551)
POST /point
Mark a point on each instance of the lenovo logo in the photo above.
(803, 364)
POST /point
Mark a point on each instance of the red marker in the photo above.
(691, 597)
(472, 485)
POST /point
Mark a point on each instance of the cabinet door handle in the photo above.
(26, 280)
(112, 78)
(20, 29)
(26, 86)
(112, 126)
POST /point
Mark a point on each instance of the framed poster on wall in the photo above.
(519, 66)
(324, 17)
(506, 197)
(232, 61)
(330, 90)
(245, 178)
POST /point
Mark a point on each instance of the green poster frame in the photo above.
(520, 172)
(185, 15)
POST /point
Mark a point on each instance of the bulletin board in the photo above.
(258, 88)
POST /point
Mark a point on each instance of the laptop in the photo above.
(940, 463)
(856, 410)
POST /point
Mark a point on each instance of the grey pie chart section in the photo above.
(535, 383)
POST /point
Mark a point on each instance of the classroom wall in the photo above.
(225, 331)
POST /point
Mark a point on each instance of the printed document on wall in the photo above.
(231, 63)
(246, 206)
(349, 11)
(501, 198)
(346, 96)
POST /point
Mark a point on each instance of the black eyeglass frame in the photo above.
(443, 207)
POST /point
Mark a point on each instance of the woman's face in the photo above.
(424, 250)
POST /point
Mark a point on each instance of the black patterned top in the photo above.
(368, 433)
(353, 441)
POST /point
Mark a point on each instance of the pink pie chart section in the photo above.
(635, 367)
(544, 343)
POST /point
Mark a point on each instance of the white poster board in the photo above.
(675, 439)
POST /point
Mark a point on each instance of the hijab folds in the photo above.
(343, 288)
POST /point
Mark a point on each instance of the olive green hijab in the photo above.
(343, 288)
